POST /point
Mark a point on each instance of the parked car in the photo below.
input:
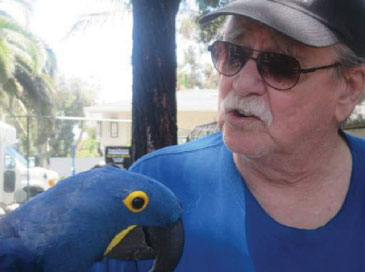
(18, 182)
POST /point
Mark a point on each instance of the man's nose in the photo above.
(248, 81)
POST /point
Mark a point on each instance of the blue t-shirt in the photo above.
(227, 230)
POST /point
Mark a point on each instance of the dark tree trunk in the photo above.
(154, 75)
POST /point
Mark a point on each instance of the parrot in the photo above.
(86, 217)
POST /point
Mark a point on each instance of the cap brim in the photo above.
(296, 24)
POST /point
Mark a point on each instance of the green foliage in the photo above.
(193, 74)
(72, 97)
(88, 147)
(211, 31)
(208, 5)
(26, 87)
(208, 32)
(195, 69)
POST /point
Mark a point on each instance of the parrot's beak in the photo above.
(164, 244)
(167, 243)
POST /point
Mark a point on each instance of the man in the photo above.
(282, 187)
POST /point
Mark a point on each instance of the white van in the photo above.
(17, 183)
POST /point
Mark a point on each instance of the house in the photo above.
(194, 108)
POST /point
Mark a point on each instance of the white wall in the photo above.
(63, 166)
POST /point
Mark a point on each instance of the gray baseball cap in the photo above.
(317, 23)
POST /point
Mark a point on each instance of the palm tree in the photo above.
(24, 62)
(26, 70)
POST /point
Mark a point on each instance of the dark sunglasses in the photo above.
(279, 71)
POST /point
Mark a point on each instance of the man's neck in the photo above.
(300, 191)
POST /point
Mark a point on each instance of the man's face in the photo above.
(286, 122)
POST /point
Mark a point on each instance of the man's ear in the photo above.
(351, 91)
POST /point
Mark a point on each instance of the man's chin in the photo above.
(245, 144)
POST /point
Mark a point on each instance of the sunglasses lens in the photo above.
(228, 58)
(279, 71)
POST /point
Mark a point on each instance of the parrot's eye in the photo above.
(136, 201)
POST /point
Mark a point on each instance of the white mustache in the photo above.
(251, 105)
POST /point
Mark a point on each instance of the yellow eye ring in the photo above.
(136, 201)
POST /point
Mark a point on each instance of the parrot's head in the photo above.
(140, 213)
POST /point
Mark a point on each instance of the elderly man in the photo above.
(282, 187)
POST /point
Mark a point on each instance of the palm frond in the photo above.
(87, 20)
(117, 9)
(24, 44)
(13, 88)
(26, 67)
(32, 94)
(7, 61)
(37, 54)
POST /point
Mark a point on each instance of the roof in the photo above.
(187, 100)
(197, 100)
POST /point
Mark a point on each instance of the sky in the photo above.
(98, 54)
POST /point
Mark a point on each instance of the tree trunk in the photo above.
(154, 75)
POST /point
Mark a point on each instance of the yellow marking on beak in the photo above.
(119, 237)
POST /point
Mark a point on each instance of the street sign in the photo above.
(118, 155)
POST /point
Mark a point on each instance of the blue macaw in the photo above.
(88, 216)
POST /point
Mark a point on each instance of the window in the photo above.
(114, 129)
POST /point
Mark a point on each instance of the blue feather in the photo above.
(68, 227)
(15, 257)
